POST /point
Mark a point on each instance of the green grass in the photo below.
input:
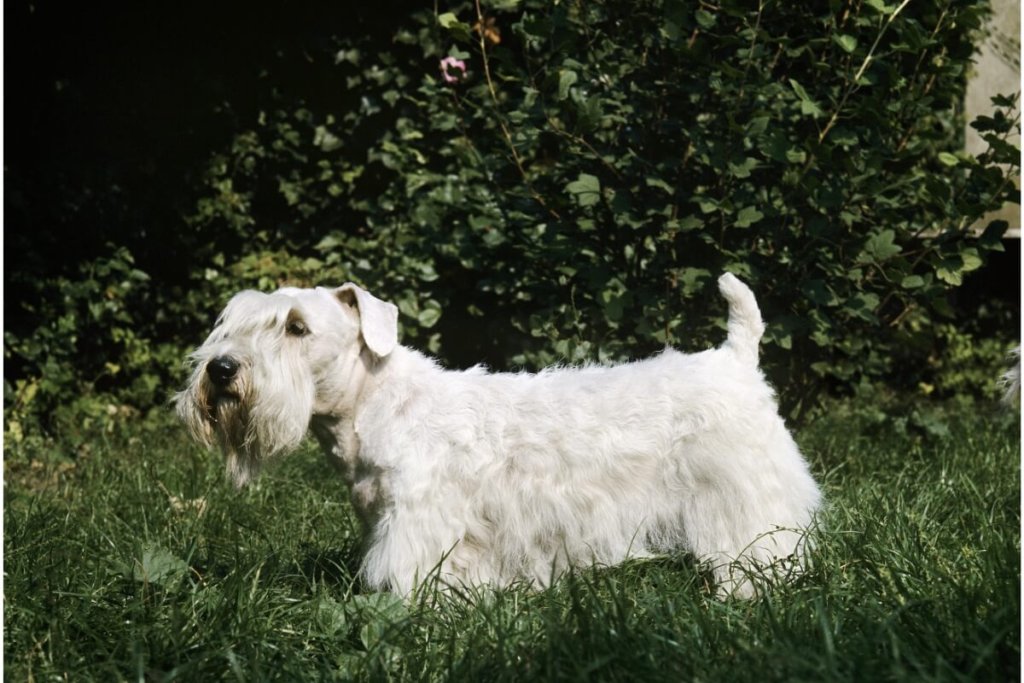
(112, 572)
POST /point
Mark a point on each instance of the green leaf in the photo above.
(847, 42)
(613, 306)
(796, 156)
(379, 612)
(863, 305)
(660, 184)
(460, 31)
(158, 565)
(747, 216)
(811, 108)
(586, 188)
(948, 159)
(950, 272)
(705, 19)
(688, 223)
(807, 105)
(429, 316)
(819, 293)
(447, 20)
(880, 247)
(799, 89)
(880, 6)
(330, 617)
(566, 78)
(708, 205)
(992, 238)
(743, 169)
(912, 282)
(971, 259)
(758, 125)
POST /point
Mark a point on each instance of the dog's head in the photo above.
(273, 361)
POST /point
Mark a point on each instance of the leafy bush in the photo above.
(89, 365)
(574, 191)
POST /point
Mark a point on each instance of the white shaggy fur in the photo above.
(1010, 380)
(495, 478)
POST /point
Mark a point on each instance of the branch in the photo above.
(501, 121)
(851, 86)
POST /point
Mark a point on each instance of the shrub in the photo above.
(598, 164)
(88, 364)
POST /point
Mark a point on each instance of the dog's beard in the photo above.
(233, 428)
(249, 427)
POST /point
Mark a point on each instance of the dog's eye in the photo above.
(296, 328)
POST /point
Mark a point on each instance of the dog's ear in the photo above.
(378, 320)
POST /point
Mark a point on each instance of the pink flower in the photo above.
(452, 63)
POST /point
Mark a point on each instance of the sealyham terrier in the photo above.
(1009, 381)
(493, 478)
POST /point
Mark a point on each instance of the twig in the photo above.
(501, 122)
(851, 85)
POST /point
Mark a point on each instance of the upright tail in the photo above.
(745, 325)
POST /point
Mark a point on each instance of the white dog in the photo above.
(496, 478)
(1010, 380)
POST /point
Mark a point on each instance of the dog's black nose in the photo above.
(222, 370)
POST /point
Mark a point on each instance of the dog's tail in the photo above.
(745, 325)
